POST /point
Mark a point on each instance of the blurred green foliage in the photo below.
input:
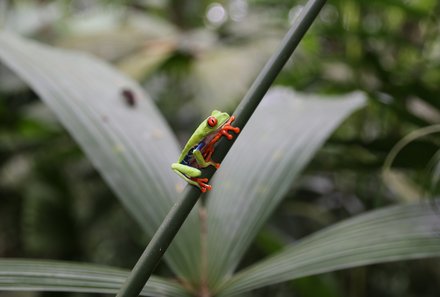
(193, 56)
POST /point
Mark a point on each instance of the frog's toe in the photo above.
(216, 165)
(202, 184)
(226, 134)
(235, 129)
(205, 188)
(225, 131)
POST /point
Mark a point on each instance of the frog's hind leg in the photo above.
(191, 175)
(186, 172)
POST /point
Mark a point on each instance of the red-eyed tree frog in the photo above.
(198, 150)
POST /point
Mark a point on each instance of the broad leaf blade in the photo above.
(27, 275)
(130, 145)
(395, 233)
(278, 141)
(217, 63)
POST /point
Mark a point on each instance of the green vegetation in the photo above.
(293, 171)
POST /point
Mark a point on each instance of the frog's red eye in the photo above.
(212, 121)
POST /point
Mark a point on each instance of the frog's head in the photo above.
(216, 120)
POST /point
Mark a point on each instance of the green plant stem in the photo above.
(178, 213)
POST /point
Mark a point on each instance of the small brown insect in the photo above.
(129, 97)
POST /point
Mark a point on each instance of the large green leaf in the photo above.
(26, 275)
(278, 141)
(211, 68)
(131, 146)
(390, 234)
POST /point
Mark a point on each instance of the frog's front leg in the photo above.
(228, 127)
(192, 176)
(202, 162)
(209, 149)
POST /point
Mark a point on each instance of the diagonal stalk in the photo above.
(203, 215)
(178, 213)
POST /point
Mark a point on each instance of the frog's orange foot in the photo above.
(225, 130)
(202, 182)
(228, 127)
